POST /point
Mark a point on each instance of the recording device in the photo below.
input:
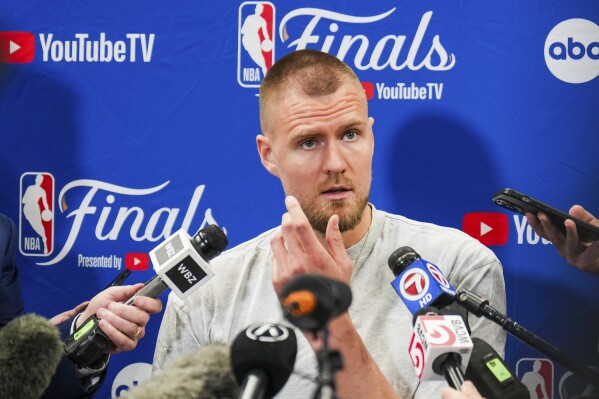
(262, 357)
(30, 350)
(417, 282)
(521, 203)
(180, 262)
(310, 301)
(440, 347)
(480, 307)
(491, 376)
(203, 374)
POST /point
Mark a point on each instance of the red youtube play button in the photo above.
(137, 261)
(489, 228)
(17, 47)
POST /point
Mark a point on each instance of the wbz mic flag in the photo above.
(435, 336)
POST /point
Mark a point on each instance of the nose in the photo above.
(334, 162)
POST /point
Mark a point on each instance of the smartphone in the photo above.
(521, 203)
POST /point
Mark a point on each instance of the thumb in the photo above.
(335, 244)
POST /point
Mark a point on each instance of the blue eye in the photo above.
(351, 135)
(310, 143)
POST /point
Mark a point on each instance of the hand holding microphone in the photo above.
(180, 262)
(467, 391)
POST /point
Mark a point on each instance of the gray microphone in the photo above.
(203, 374)
(30, 350)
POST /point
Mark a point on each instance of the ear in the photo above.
(265, 151)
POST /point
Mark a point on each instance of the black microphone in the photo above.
(203, 374)
(263, 356)
(310, 301)
(440, 346)
(480, 307)
(419, 283)
(180, 262)
(491, 376)
(30, 350)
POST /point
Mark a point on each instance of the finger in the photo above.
(469, 389)
(150, 305)
(334, 240)
(580, 213)
(123, 292)
(553, 234)
(125, 317)
(450, 393)
(121, 341)
(289, 236)
(302, 228)
(536, 225)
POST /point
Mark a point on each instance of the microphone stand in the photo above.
(480, 307)
(328, 363)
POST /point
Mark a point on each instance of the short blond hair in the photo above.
(314, 72)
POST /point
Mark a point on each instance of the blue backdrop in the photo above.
(141, 116)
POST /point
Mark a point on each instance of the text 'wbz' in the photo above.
(403, 91)
(108, 262)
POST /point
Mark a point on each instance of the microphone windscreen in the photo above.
(30, 350)
(331, 298)
(401, 258)
(203, 374)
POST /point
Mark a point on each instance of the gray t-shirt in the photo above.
(241, 294)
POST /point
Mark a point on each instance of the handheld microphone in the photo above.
(30, 350)
(440, 347)
(491, 376)
(180, 262)
(262, 357)
(417, 282)
(310, 301)
(203, 374)
(480, 307)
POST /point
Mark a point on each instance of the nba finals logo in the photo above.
(255, 52)
(36, 218)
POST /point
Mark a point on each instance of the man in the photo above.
(582, 255)
(123, 324)
(317, 139)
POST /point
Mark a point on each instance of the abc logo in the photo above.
(572, 50)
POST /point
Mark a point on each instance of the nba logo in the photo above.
(537, 376)
(255, 48)
(36, 218)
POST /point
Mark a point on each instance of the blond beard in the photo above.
(319, 216)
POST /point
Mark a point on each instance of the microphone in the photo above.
(202, 374)
(440, 347)
(417, 282)
(30, 350)
(310, 301)
(480, 307)
(180, 262)
(262, 357)
(491, 376)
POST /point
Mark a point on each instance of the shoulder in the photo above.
(230, 268)
(446, 245)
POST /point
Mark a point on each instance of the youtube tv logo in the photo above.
(368, 89)
(17, 47)
(137, 261)
(490, 228)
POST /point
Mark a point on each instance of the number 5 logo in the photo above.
(436, 327)
(416, 352)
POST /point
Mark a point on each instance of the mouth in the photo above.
(337, 192)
